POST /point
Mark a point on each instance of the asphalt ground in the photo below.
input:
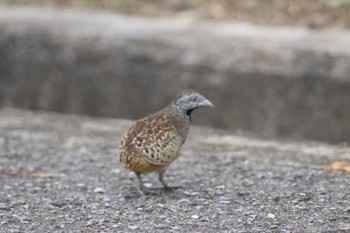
(60, 173)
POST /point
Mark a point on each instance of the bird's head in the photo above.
(189, 100)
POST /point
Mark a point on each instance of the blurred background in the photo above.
(305, 13)
(273, 68)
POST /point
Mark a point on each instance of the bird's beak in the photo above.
(207, 103)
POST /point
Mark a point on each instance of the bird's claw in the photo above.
(171, 188)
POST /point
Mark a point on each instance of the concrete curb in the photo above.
(274, 82)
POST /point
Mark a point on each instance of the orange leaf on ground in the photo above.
(338, 166)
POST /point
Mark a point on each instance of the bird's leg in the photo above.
(143, 188)
(161, 179)
(139, 178)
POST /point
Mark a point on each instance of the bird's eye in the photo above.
(194, 98)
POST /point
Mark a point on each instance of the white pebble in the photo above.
(183, 200)
(133, 227)
(224, 202)
(99, 190)
(269, 215)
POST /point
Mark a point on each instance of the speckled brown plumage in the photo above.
(154, 142)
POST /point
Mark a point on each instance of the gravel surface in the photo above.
(60, 173)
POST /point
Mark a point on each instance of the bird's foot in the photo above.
(171, 188)
(146, 190)
(165, 185)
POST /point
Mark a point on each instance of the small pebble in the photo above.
(224, 202)
(99, 190)
(116, 171)
(134, 227)
(220, 187)
(269, 215)
(160, 205)
(183, 200)
(195, 216)
(4, 207)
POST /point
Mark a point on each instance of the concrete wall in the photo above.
(274, 82)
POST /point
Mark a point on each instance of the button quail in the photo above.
(154, 142)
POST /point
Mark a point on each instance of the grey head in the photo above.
(187, 101)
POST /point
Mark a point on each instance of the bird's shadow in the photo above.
(175, 193)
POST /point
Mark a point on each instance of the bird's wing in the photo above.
(163, 150)
(157, 140)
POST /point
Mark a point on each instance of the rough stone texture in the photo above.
(270, 81)
(230, 183)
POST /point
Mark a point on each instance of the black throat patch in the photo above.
(188, 113)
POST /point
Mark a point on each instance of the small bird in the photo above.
(154, 142)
